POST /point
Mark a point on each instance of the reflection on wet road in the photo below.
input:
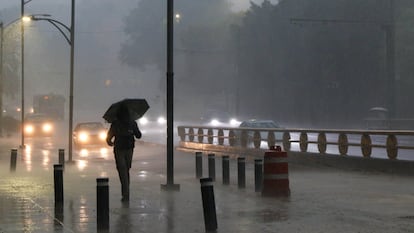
(322, 200)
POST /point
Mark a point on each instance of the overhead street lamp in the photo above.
(71, 41)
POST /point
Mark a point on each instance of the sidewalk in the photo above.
(322, 199)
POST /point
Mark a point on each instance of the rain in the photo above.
(327, 77)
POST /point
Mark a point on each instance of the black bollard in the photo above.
(199, 164)
(58, 180)
(102, 203)
(226, 169)
(58, 214)
(212, 166)
(13, 160)
(258, 175)
(241, 172)
(209, 205)
(62, 157)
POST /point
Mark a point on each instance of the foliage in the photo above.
(327, 63)
(11, 55)
(146, 29)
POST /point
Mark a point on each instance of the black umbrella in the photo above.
(136, 108)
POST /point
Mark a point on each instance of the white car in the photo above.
(89, 134)
(38, 125)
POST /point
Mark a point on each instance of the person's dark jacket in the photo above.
(124, 134)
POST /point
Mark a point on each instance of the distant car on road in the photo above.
(218, 118)
(38, 125)
(259, 124)
(89, 134)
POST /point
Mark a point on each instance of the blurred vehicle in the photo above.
(89, 134)
(38, 125)
(152, 122)
(378, 118)
(218, 118)
(51, 105)
(259, 124)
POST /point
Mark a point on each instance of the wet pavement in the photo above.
(322, 199)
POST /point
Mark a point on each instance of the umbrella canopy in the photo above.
(136, 109)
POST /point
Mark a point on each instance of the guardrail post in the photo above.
(241, 172)
(62, 157)
(199, 164)
(58, 181)
(212, 166)
(209, 205)
(102, 203)
(226, 169)
(258, 175)
(13, 160)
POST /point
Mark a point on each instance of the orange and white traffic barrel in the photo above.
(275, 173)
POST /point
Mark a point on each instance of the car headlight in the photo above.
(83, 136)
(102, 135)
(161, 120)
(29, 129)
(234, 122)
(47, 127)
(143, 120)
(214, 122)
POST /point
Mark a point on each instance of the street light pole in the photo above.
(72, 54)
(1, 79)
(22, 75)
(71, 42)
(23, 2)
(170, 99)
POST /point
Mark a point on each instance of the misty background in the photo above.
(251, 60)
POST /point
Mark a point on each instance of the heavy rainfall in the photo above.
(312, 64)
(320, 76)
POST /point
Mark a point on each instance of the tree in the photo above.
(318, 69)
(11, 54)
(146, 28)
(201, 47)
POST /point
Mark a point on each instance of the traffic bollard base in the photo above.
(170, 187)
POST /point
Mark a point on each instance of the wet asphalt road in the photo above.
(322, 199)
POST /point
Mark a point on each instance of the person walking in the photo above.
(123, 130)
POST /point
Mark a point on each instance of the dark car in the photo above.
(89, 134)
(38, 125)
(253, 124)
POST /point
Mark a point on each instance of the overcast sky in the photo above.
(237, 4)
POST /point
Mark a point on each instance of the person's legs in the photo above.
(128, 160)
(123, 159)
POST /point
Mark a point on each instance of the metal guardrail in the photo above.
(392, 141)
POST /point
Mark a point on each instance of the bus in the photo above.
(51, 105)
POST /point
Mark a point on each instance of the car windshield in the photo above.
(37, 118)
(259, 124)
(90, 126)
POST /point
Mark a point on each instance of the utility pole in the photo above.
(170, 186)
(389, 28)
(1, 79)
(22, 74)
(390, 56)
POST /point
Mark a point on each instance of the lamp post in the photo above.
(170, 99)
(1, 79)
(23, 2)
(71, 41)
